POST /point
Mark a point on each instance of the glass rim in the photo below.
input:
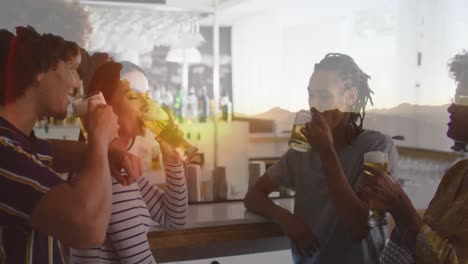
(302, 117)
(87, 96)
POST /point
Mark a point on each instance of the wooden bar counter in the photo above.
(217, 230)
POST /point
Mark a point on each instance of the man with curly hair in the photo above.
(37, 208)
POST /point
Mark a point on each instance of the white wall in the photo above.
(274, 51)
(256, 51)
(192, 4)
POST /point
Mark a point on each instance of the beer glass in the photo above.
(80, 107)
(298, 141)
(160, 123)
(378, 160)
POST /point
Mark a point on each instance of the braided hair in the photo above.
(351, 76)
(458, 68)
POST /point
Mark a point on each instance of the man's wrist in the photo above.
(327, 151)
(405, 215)
(95, 144)
(279, 214)
(399, 204)
(329, 158)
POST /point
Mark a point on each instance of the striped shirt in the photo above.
(25, 176)
(134, 207)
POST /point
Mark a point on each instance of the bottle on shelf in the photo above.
(226, 107)
(167, 100)
(156, 94)
(179, 105)
(192, 106)
(204, 105)
(212, 107)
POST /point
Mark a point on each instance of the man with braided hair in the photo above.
(330, 222)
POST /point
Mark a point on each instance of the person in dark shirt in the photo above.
(37, 208)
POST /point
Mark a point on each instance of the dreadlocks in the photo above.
(458, 70)
(352, 76)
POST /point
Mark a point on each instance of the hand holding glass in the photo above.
(160, 123)
(80, 107)
(378, 160)
(298, 141)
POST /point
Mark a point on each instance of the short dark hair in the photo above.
(106, 79)
(24, 56)
(5, 40)
(352, 76)
(458, 67)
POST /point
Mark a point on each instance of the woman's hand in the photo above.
(318, 132)
(169, 154)
(385, 193)
(119, 159)
(379, 189)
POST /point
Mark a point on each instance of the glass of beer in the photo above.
(160, 123)
(378, 160)
(298, 141)
(80, 107)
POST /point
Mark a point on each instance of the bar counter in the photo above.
(219, 230)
